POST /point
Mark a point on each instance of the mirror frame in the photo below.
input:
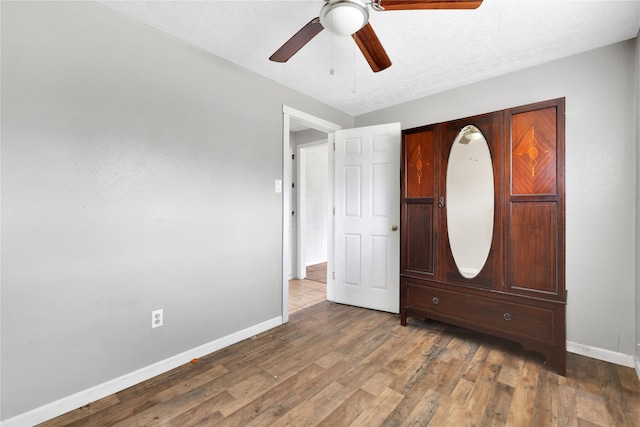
(470, 200)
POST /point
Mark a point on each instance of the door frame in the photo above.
(312, 122)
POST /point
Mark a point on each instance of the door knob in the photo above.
(394, 228)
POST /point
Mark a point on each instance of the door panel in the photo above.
(367, 208)
(353, 260)
(535, 195)
(419, 206)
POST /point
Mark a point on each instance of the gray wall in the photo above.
(601, 117)
(137, 173)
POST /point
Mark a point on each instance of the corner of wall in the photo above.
(637, 196)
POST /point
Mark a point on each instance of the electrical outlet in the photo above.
(157, 318)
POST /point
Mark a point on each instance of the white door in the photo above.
(365, 271)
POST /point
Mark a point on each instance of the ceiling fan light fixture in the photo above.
(344, 17)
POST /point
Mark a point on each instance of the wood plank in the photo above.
(567, 411)
(462, 390)
(84, 414)
(592, 409)
(268, 407)
(420, 385)
(547, 396)
(498, 406)
(205, 413)
(618, 410)
(350, 409)
(188, 385)
(633, 403)
(382, 407)
(524, 396)
(317, 408)
(379, 382)
(449, 413)
(424, 410)
(248, 390)
(481, 393)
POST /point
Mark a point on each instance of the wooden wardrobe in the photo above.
(519, 292)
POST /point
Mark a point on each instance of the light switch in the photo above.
(278, 186)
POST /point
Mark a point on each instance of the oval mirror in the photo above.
(470, 201)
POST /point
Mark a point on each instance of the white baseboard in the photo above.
(77, 400)
(638, 368)
(602, 354)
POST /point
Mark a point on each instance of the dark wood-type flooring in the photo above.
(336, 365)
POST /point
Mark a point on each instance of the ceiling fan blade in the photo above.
(428, 4)
(371, 48)
(298, 40)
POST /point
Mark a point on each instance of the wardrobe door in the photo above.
(490, 275)
(418, 212)
(536, 203)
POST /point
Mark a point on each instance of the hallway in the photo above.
(304, 293)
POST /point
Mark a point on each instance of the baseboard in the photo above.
(638, 368)
(602, 354)
(77, 400)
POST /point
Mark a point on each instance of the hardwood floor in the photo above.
(336, 365)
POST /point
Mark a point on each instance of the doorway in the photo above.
(297, 121)
(309, 236)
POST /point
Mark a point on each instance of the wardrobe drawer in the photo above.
(506, 318)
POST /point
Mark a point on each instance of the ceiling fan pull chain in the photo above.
(331, 35)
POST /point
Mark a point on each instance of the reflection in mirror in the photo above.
(470, 201)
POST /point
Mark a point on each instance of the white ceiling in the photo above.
(431, 50)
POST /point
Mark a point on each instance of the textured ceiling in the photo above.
(431, 50)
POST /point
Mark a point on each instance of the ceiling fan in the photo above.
(351, 17)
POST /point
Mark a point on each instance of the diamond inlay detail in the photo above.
(531, 150)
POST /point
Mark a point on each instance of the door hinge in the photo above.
(333, 275)
(334, 211)
(293, 157)
(293, 185)
(334, 146)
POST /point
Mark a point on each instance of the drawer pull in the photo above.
(507, 317)
(436, 300)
